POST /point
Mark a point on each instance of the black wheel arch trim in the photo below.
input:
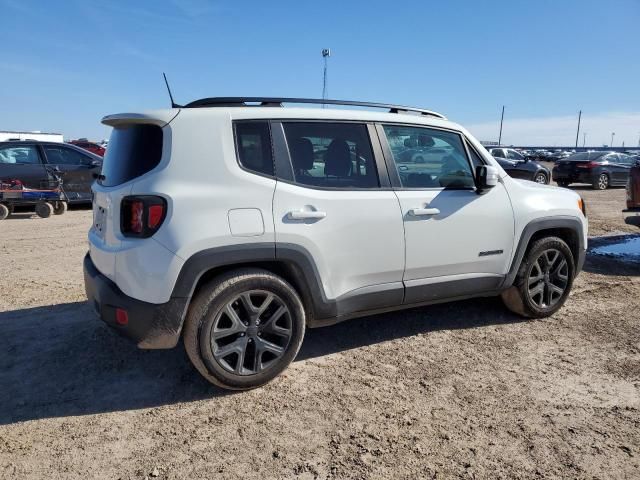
(541, 224)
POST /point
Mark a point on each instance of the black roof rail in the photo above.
(277, 102)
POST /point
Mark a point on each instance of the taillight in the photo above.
(142, 216)
(587, 165)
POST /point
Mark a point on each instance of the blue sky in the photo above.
(65, 64)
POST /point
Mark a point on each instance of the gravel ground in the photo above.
(458, 390)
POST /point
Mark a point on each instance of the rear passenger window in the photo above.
(253, 141)
(334, 155)
(429, 158)
(26, 155)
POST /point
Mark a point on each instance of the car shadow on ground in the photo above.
(60, 360)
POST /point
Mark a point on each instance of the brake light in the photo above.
(587, 165)
(142, 216)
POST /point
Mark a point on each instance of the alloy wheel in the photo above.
(541, 178)
(548, 278)
(603, 182)
(251, 333)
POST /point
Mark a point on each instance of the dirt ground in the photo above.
(458, 390)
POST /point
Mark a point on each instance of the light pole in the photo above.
(578, 132)
(584, 139)
(326, 53)
(501, 120)
(613, 134)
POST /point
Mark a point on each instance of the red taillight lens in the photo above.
(122, 317)
(156, 214)
(587, 165)
(142, 216)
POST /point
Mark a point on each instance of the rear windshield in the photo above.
(133, 151)
(584, 156)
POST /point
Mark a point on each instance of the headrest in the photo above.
(337, 160)
(301, 150)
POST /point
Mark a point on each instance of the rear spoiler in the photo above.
(154, 117)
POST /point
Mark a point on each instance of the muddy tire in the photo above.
(4, 211)
(544, 279)
(44, 209)
(59, 208)
(244, 328)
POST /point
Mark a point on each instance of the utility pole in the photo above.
(501, 120)
(326, 53)
(613, 134)
(578, 132)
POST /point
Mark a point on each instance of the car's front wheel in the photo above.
(244, 328)
(544, 279)
(541, 178)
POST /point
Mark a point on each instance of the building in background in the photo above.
(6, 135)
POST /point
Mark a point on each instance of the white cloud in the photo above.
(561, 131)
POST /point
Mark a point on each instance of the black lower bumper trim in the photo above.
(150, 325)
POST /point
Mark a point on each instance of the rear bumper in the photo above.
(150, 325)
(632, 216)
(572, 177)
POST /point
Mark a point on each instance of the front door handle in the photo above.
(418, 212)
(306, 214)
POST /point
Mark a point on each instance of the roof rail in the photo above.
(277, 102)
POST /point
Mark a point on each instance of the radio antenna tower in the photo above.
(326, 53)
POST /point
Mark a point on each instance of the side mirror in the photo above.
(486, 177)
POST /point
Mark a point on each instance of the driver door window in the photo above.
(429, 158)
(513, 155)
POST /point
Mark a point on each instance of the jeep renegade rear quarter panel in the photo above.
(207, 194)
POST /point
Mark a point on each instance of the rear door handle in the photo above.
(419, 212)
(306, 214)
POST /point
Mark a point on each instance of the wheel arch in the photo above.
(567, 228)
(294, 264)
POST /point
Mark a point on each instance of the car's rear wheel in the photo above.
(602, 182)
(44, 209)
(244, 328)
(544, 279)
(4, 211)
(541, 178)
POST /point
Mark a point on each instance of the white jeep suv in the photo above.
(237, 224)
